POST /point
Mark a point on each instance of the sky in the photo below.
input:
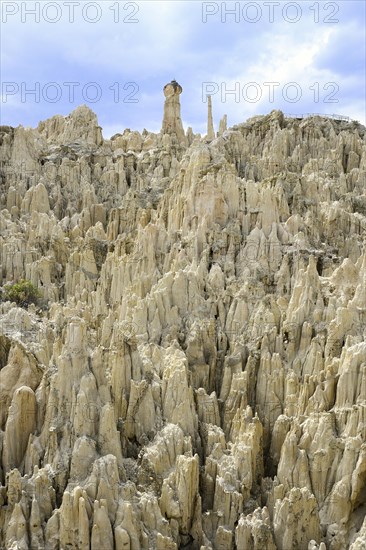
(116, 56)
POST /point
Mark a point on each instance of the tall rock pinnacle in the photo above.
(172, 122)
(210, 126)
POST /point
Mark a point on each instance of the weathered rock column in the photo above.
(210, 127)
(223, 125)
(172, 122)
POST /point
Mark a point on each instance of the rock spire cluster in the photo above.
(194, 375)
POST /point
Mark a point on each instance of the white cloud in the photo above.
(170, 39)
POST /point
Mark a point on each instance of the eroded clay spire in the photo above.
(172, 122)
(210, 126)
(223, 125)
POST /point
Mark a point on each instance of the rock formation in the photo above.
(172, 122)
(194, 375)
(210, 126)
(223, 125)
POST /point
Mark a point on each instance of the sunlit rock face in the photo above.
(172, 121)
(195, 374)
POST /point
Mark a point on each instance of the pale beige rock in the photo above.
(180, 499)
(254, 531)
(20, 424)
(223, 125)
(81, 125)
(196, 373)
(210, 126)
(172, 122)
(17, 536)
(296, 520)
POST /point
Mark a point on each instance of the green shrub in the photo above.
(22, 293)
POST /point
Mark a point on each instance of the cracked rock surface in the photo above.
(195, 373)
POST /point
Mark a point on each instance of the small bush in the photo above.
(22, 293)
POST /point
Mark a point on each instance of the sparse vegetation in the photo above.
(22, 293)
